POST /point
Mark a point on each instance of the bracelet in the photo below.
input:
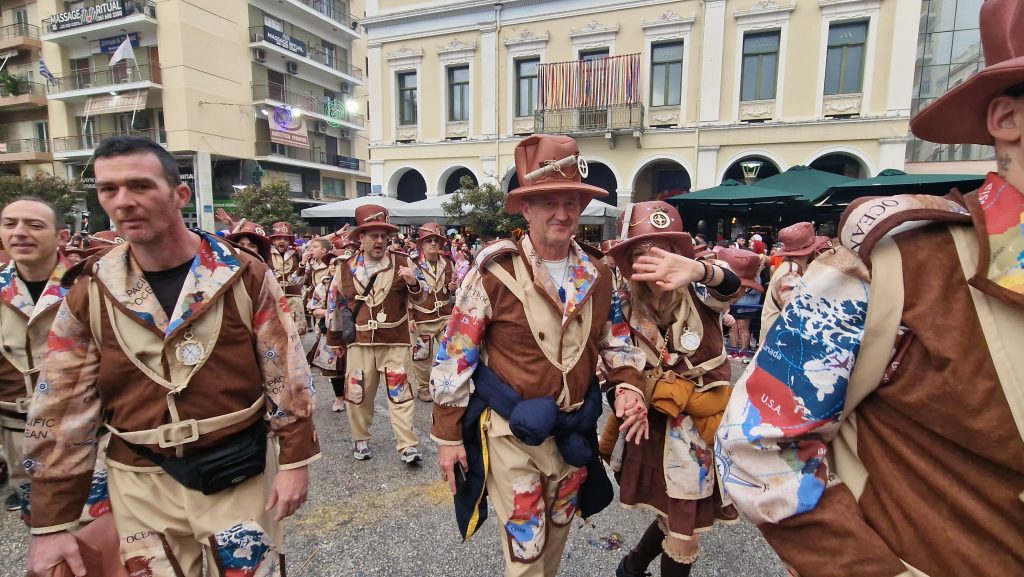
(709, 273)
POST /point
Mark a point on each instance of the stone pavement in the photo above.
(382, 518)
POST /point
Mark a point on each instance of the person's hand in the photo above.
(453, 285)
(47, 551)
(341, 231)
(291, 487)
(447, 458)
(412, 326)
(630, 407)
(318, 313)
(670, 271)
(223, 217)
(407, 276)
(728, 320)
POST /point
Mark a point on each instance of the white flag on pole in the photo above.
(123, 52)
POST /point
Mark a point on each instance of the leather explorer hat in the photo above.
(960, 115)
(550, 163)
(648, 222)
(281, 230)
(371, 216)
(430, 230)
(799, 240)
(256, 234)
(746, 264)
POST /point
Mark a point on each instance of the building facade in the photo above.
(663, 96)
(24, 127)
(240, 92)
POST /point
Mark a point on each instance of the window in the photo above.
(760, 66)
(526, 86)
(844, 61)
(42, 130)
(332, 187)
(666, 74)
(593, 54)
(458, 94)
(362, 189)
(407, 98)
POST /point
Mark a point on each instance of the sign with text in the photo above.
(109, 10)
(110, 45)
(278, 38)
(288, 129)
(185, 173)
(109, 104)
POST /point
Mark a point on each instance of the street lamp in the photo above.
(750, 169)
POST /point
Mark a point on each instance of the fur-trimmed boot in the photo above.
(672, 568)
(639, 559)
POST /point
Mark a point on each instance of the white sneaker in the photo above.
(338, 406)
(361, 450)
(411, 455)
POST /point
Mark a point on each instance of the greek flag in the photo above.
(45, 72)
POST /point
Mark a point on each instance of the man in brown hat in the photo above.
(378, 286)
(430, 317)
(879, 429)
(799, 247)
(531, 320)
(287, 266)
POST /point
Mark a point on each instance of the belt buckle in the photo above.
(371, 324)
(22, 404)
(164, 440)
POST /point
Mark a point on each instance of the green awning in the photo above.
(732, 192)
(892, 181)
(808, 184)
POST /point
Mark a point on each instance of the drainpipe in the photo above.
(497, 94)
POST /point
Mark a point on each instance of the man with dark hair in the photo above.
(880, 429)
(182, 346)
(31, 230)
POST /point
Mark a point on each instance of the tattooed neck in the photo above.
(1003, 164)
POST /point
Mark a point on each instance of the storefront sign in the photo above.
(109, 10)
(278, 38)
(288, 129)
(109, 45)
(185, 173)
(109, 104)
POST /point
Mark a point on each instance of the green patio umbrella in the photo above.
(731, 192)
(809, 184)
(892, 181)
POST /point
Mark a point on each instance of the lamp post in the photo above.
(750, 169)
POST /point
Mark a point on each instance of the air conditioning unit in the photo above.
(259, 55)
(293, 67)
(346, 133)
(321, 127)
(346, 88)
(317, 195)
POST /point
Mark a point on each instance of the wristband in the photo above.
(709, 273)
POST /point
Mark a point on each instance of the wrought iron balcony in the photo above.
(624, 117)
(26, 145)
(328, 108)
(19, 29)
(313, 155)
(87, 142)
(102, 77)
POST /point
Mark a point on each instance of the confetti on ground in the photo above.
(612, 542)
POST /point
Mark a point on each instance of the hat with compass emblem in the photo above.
(649, 222)
(281, 230)
(256, 235)
(371, 216)
(550, 163)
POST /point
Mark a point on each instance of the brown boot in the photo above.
(635, 564)
(424, 395)
(672, 568)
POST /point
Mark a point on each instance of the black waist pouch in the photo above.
(231, 462)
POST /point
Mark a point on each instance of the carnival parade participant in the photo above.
(253, 238)
(530, 322)
(287, 266)
(880, 429)
(686, 386)
(184, 347)
(330, 360)
(377, 285)
(430, 317)
(799, 247)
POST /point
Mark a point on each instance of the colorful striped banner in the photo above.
(602, 82)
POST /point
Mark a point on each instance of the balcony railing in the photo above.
(91, 141)
(24, 145)
(590, 119)
(334, 10)
(24, 87)
(316, 54)
(19, 29)
(121, 73)
(315, 155)
(329, 107)
(86, 17)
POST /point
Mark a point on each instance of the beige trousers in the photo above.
(166, 529)
(366, 364)
(424, 348)
(535, 495)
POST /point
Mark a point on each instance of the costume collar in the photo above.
(581, 272)
(213, 267)
(357, 266)
(1000, 227)
(14, 291)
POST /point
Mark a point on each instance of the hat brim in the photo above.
(960, 115)
(273, 236)
(819, 242)
(423, 238)
(359, 230)
(514, 201)
(262, 243)
(682, 243)
(751, 284)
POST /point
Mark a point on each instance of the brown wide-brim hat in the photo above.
(745, 263)
(371, 216)
(430, 230)
(960, 116)
(262, 243)
(649, 221)
(819, 243)
(538, 151)
(281, 230)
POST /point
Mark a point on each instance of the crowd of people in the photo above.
(156, 397)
